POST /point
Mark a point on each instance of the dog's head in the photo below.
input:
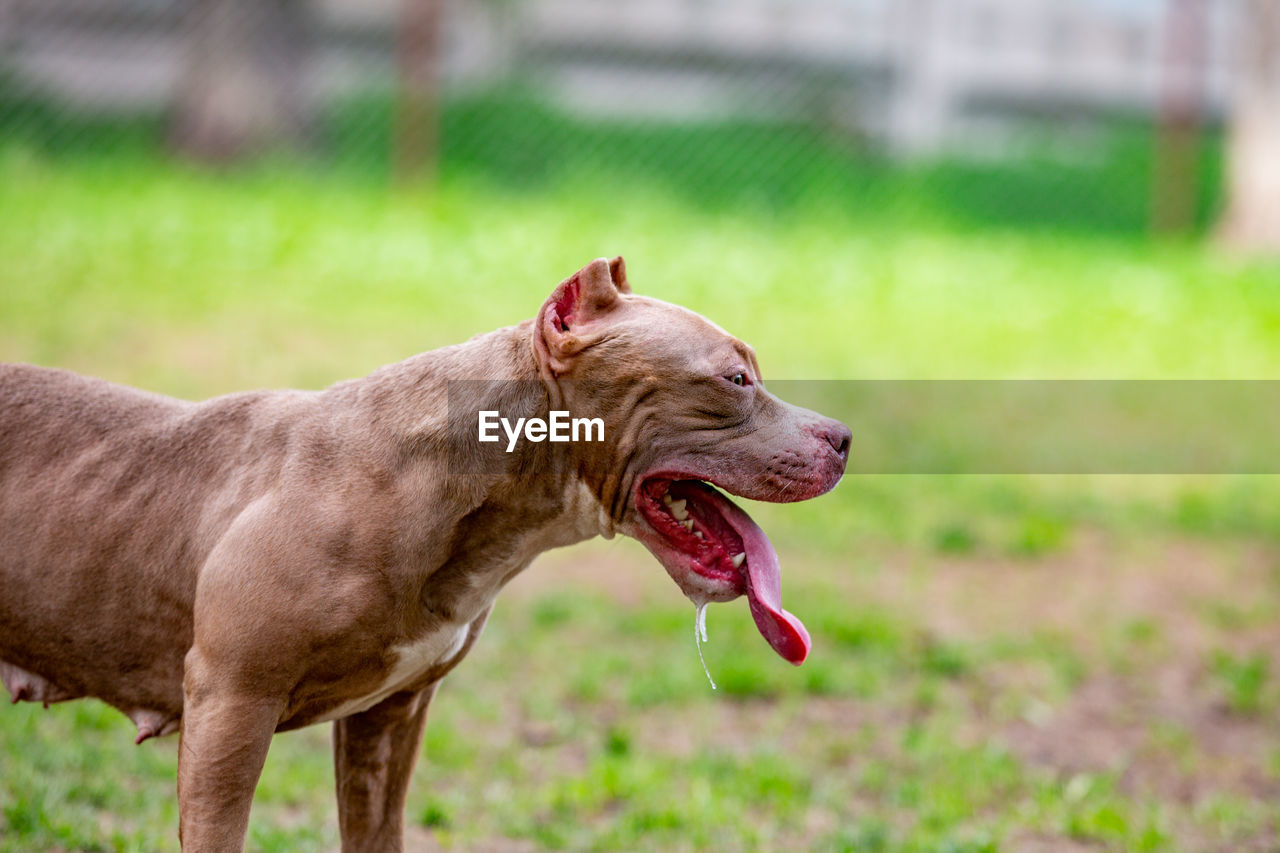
(685, 411)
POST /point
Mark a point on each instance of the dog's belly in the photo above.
(414, 661)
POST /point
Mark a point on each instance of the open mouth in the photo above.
(715, 552)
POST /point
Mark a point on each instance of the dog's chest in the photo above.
(413, 661)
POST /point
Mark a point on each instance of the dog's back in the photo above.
(110, 498)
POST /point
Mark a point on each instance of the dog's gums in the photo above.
(681, 511)
(715, 552)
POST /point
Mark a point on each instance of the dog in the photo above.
(269, 560)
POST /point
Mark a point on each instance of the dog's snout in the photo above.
(839, 436)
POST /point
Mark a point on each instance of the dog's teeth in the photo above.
(666, 499)
(688, 525)
(678, 510)
(698, 533)
(737, 559)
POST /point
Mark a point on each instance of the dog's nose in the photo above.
(839, 436)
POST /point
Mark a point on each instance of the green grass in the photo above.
(1092, 179)
(966, 628)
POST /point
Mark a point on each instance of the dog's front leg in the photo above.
(373, 756)
(223, 744)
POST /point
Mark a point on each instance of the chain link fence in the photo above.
(1092, 114)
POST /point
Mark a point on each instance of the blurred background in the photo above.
(201, 196)
(1090, 114)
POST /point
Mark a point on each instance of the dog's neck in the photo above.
(419, 415)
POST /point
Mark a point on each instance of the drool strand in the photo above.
(700, 637)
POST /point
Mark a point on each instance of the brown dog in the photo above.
(269, 560)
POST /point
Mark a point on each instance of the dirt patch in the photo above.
(1148, 622)
(1145, 621)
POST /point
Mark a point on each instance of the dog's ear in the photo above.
(618, 272)
(563, 327)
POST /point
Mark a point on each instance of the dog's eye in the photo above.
(738, 379)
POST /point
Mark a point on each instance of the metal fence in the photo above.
(1034, 105)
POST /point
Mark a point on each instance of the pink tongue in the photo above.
(784, 632)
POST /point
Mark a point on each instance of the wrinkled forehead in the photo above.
(700, 339)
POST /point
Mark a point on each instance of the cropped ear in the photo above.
(560, 332)
(618, 272)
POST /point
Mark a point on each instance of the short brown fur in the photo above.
(262, 561)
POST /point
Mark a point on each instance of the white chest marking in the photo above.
(411, 662)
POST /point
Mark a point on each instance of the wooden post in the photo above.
(244, 87)
(1252, 221)
(1175, 175)
(416, 144)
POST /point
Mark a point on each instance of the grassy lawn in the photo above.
(1020, 663)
